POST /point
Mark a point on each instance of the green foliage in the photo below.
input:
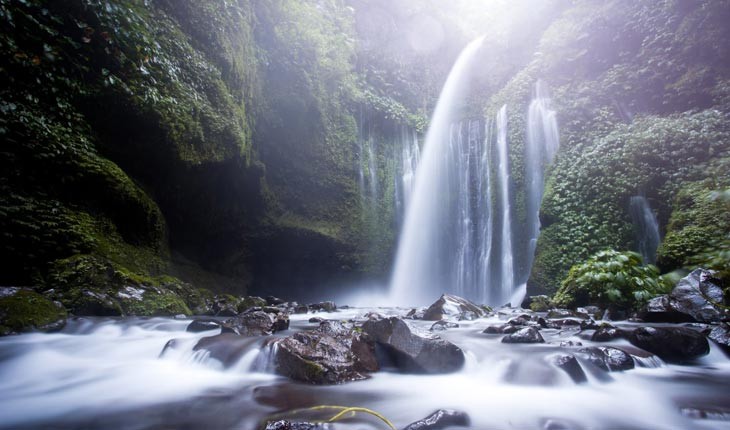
(540, 303)
(26, 310)
(610, 279)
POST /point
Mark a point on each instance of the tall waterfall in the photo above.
(646, 228)
(460, 233)
(542, 145)
(408, 154)
(420, 271)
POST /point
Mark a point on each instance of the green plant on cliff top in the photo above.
(610, 279)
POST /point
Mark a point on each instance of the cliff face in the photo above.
(258, 145)
(641, 92)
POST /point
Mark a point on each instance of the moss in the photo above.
(26, 310)
(250, 302)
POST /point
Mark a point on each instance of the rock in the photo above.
(199, 325)
(250, 302)
(570, 344)
(274, 301)
(608, 358)
(316, 320)
(413, 351)
(606, 332)
(453, 307)
(301, 309)
(659, 309)
(674, 344)
(295, 425)
(564, 322)
(721, 335)
(589, 324)
(441, 419)
(331, 354)
(569, 364)
(228, 348)
(560, 313)
(696, 295)
(521, 320)
(415, 314)
(23, 310)
(256, 323)
(225, 306)
(443, 325)
(94, 303)
(525, 335)
(323, 307)
(593, 311)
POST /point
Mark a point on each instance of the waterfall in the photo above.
(646, 228)
(460, 234)
(407, 154)
(542, 145)
(507, 256)
(421, 271)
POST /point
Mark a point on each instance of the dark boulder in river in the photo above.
(199, 325)
(331, 354)
(698, 296)
(453, 307)
(676, 344)
(291, 425)
(525, 335)
(441, 419)
(412, 350)
(608, 358)
(255, 322)
(721, 335)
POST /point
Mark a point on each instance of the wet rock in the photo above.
(525, 335)
(316, 320)
(225, 306)
(565, 322)
(593, 311)
(589, 324)
(674, 344)
(560, 313)
(569, 364)
(228, 348)
(411, 350)
(441, 419)
(199, 325)
(94, 303)
(606, 333)
(250, 302)
(453, 307)
(608, 358)
(443, 325)
(331, 354)
(415, 314)
(301, 309)
(721, 335)
(323, 307)
(521, 320)
(24, 310)
(570, 344)
(697, 295)
(274, 301)
(659, 309)
(256, 323)
(295, 425)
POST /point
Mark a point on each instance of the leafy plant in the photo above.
(610, 279)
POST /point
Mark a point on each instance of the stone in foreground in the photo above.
(441, 419)
(411, 350)
(331, 354)
(608, 358)
(525, 335)
(697, 296)
(676, 344)
(453, 307)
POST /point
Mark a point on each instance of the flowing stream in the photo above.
(113, 373)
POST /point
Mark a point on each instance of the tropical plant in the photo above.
(611, 279)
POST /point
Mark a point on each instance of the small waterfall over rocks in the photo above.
(646, 228)
(461, 234)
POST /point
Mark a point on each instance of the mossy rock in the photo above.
(251, 302)
(23, 310)
(90, 285)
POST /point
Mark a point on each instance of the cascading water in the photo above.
(460, 235)
(646, 228)
(421, 271)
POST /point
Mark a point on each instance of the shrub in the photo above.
(610, 279)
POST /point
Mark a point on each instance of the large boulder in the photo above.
(331, 354)
(199, 325)
(23, 310)
(675, 344)
(255, 322)
(569, 364)
(698, 296)
(606, 332)
(660, 309)
(524, 335)
(720, 334)
(453, 307)
(608, 358)
(441, 419)
(413, 350)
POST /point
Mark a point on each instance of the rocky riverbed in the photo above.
(277, 366)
